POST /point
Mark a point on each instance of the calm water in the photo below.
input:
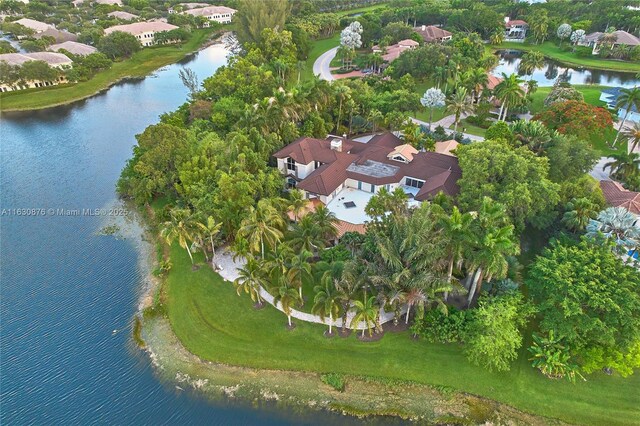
(547, 75)
(64, 289)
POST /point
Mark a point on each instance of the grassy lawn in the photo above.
(467, 127)
(438, 113)
(361, 9)
(139, 65)
(213, 322)
(551, 50)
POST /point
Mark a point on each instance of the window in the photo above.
(291, 165)
(317, 164)
(291, 183)
(373, 188)
(399, 158)
(414, 183)
(387, 187)
(360, 185)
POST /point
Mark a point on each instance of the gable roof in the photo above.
(622, 37)
(617, 196)
(514, 22)
(369, 162)
(141, 27)
(407, 151)
(431, 33)
(210, 10)
(58, 35)
(445, 147)
(122, 15)
(50, 58)
(74, 47)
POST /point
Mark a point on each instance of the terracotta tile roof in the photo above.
(515, 22)
(407, 151)
(445, 147)
(343, 227)
(493, 81)
(432, 33)
(617, 196)
(370, 163)
(309, 208)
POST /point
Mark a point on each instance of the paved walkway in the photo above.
(229, 272)
(446, 127)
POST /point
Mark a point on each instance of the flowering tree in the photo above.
(350, 40)
(576, 118)
(432, 98)
(578, 36)
(564, 31)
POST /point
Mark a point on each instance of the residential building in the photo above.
(125, 16)
(594, 40)
(143, 31)
(74, 47)
(344, 174)
(617, 196)
(186, 6)
(391, 53)
(77, 3)
(433, 34)
(221, 14)
(34, 25)
(447, 147)
(610, 96)
(515, 30)
(58, 35)
(54, 60)
(109, 2)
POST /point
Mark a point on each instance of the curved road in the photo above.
(322, 65)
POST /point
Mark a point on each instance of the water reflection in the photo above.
(552, 70)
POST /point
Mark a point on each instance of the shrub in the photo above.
(335, 380)
(337, 253)
(438, 327)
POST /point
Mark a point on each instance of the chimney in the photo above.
(336, 145)
(506, 19)
(424, 28)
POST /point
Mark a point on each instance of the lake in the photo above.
(547, 75)
(69, 294)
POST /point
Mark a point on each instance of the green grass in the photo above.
(438, 113)
(551, 50)
(139, 65)
(361, 9)
(466, 127)
(213, 322)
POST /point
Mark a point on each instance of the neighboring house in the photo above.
(391, 53)
(610, 96)
(186, 6)
(77, 3)
(54, 60)
(73, 47)
(109, 2)
(433, 34)
(34, 25)
(143, 31)
(344, 174)
(125, 16)
(447, 147)
(594, 40)
(515, 30)
(617, 196)
(221, 14)
(59, 35)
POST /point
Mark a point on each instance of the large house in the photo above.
(54, 60)
(594, 40)
(391, 53)
(344, 174)
(433, 34)
(125, 16)
(515, 30)
(74, 47)
(610, 96)
(143, 31)
(59, 36)
(617, 196)
(221, 14)
(186, 6)
(36, 26)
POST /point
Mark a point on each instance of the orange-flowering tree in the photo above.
(576, 118)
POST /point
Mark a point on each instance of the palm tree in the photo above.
(350, 283)
(627, 100)
(263, 224)
(251, 279)
(415, 296)
(458, 232)
(532, 134)
(579, 211)
(459, 104)
(476, 80)
(367, 311)
(181, 226)
(300, 65)
(304, 235)
(497, 37)
(326, 302)
(343, 93)
(299, 271)
(375, 117)
(532, 87)
(212, 229)
(633, 134)
(617, 224)
(297, 203)
(393, 298)
(287, 297)
(326, 222)
(624, 165)
(509, 92)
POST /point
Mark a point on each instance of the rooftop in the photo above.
(33, 24)
(617, 196)
(123, 15)
(432, 33)
(622, 37)
(373, 168)
(210, 10)
(141, 27)
(74, 47)
(350, 213)
(50, 58)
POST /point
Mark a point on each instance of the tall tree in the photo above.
(326, 302)
(253, 16)
(628, 99)
(433, 98)
(510, 93)
(251, 279)
(459, 104)
(366, 311)
(182, 226)
(263, 225)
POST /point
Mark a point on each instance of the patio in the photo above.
(349, 205)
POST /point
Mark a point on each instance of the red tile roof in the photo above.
(617, 196)
(344, 227)
(432, 33)
(516, 22)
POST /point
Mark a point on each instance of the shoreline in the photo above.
(293, 392)
(209, 41)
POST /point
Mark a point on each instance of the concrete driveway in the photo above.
(322, 65)
(598, 172)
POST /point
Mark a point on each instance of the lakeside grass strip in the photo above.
(225, 329)
(552, 51)
(139, 65)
